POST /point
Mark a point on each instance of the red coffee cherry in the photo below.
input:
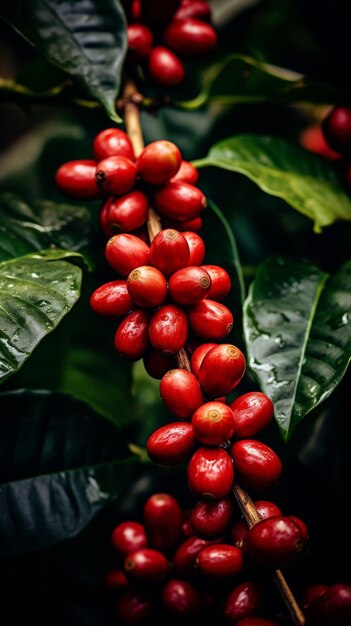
(147, 286)
(169, 251)
(189, 285)
(302, 526)
(163, 520)
(220, 282)
(337, 129)
(185, 556)
(221, 370)
(252, 411)
(165, 68)
(159, 162)
(125, 252)
(168, 329)
(134, 608)
(220, 561)
(171, 444)
(77, 179)
(158, 12)
(112, 299)
(198, 356)
(332, 608)
(116, 579)
(195, 225)
(128, 537)
(245, 600)
(132, 335)
(190, 36)
(158, 364)
(210, 474)
(210, 319)
(257, 466)
(146, 565)
(180, 598)
(181, 393)
(187, 173)
(213, 423)
(274, 542)
(112, 142)
(267, 509)
(128, 212)
(115, 175)
(210, 520)
(238, 533)
(179, 201)
(140, 39)
(198, 9)
(255, 621)
(105, 227)
(196, 247)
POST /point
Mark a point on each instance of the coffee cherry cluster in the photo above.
(161, 33)
(328, 605)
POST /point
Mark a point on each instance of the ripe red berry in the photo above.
(112, 299)
(185, 556)
(210, 473)
(332, 608)
(169, 251)
(179, 201)
(302, 526)
(221, 369)
(180, 598)
(252, 413)
(267, 509)
(240, 529)
(146, 565)
(337, 129)
(112, 142)
(147, 286)
(77, 179)
(198, 356)
(132, 335)
(159, 162)
(220, 561)
(257, 466)
(210, 520)
(168, 329)
(210, 319)
(274, 542)
(157, 364)
(213, 423)
(115, 175)
(187, 173)
(189, 285)
(158, 12)
(190, 36)
(220, 282)
(196, 247)
(116, 579)
(128, 212)
(245, 600)
(195, 225)
(105, 227)
(163, 520)
(125, 252)
(181, 393)
(165, 68)
(140, 39)
(128, 537)
(198, 9)
(171, 444)
(134, 608)
(238, 533)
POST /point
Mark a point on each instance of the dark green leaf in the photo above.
(307, 182)
(60, 463)
(297, 324)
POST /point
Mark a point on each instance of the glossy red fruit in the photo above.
(221, 370)
(252, 411)
(134, 608)
(187, 173)
(169, 251)
(146, 565)
(267, 509)
(180, 598)
(112, 142)
(185, 556)
(147, 286)
(245, 600)
(179, 201)
(337, 129)
(302, 526)
(165, 68)
(128, 537)
(198, 356)
(112, 299)
(190, 36)
(198, 9)
(171, 444)
(220, 282)
(163, 520)
(77, 179)
(311, 594)
(255, 621)
(158, 12)
(116, 579)
(213, 423)
(238, 533)
(128, 212)
(196, 247)
(210, 520)
(333, 608)
(125, 252)
(115, 175)
(189, 285)
(274, 542)
(181, 393)
(132, 335)
(194, 225)
(105, 227)
(220, 561)
(210, 474)
(211, 320)
(140, 39)
(257, 466)
(157, 364)
(159, 162)
(312, 139)
(168, 329)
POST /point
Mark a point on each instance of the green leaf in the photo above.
(307, 182)
(297, 324)
(85, 38)
(35, 294)
(60, 463)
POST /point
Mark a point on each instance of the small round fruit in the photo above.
(267, 509)
(238, 533)
(128, 537)
(115, 175)
(112, 299)
(146, 565)
(163, 521)
(220, 282)
(196, 247)
(147, 286)
(220, 561)
(128, 212)
(337, 129)
(134, 608)
(221, 370)
(168, 329)
(333, 608)
(245, 600)
(171, 444)
(169, 251)
(210, 473)
(198, 9)
(125, 252)
(159, 162)
(274, 542)
(140, 39)
(187, 173)
(158, 364)
(210, 319)
(165, 68)
(213, 423)
(185, 556)
(105, 227)
(302, 526)
(180, 598)
(116, 579)
(189, 285)
(179, 201)
(210, 520)
(112, 142)
(252, 411)
(198, 356)
(181, 393)
(77, 179)
(257, 466)
(132, 335)
(190, 36)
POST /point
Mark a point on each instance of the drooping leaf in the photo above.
(307, 182)
(86, 39)
(60, 464)
(297, 324)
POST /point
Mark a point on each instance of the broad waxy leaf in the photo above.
(297, 324)
(85, 38)
(307, 182)
(60, 463)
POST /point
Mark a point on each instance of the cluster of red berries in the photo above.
(328, 606)
(159, 31)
